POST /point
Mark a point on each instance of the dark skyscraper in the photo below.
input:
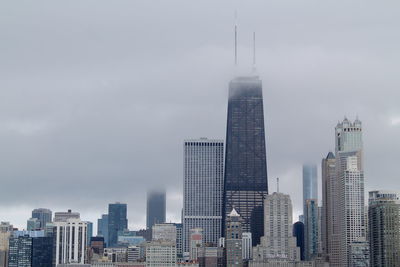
(117, 221)
(298, 232)
(29, 251)
(245, 163)
(155, 207)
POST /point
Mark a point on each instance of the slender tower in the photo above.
(245, 186)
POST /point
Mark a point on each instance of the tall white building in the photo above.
(247, 248)
(348, 196)
(278, 241)
(203, 189)
(70, 241)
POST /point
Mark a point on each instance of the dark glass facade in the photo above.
(28, 251)
(43, 215)
(298, 232)
(155, 208)
(246, 183)
(117, 221)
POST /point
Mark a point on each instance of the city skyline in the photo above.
(73, 117)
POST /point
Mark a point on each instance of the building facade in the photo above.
(311, 228)
(156, 206)
(278, 241)
(298, 232)
(63, 216)
(27, 251)
(43, 215)
(203, 189)
(117, 221)
(310, 183)
(384, 228)
(164, 232)
(246, 183)
(70, 242)
(160, 254)
(102, 227)
(233, 240)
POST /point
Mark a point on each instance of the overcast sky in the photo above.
(96, 97)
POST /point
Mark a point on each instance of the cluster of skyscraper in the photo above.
(228, 217)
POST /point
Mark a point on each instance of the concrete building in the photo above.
(278, 241)
(246, 183)
(343, 194)
(161, 254)
(63, 216)
(156, 207)
(384, 228)
(196, 240)
(70, 241)
(43, 215)
(203, 188)
(211, 257)
(247, 248)
(5, 232)
(164, 232)
(330, 232)
(233, 240)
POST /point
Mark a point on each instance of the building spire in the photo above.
(277, 184)
(254, 52)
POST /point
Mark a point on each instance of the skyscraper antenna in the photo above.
(277, 184)
(254, 51)
(235, 38)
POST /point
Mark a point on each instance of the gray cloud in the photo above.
(96, 97)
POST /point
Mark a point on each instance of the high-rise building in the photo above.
(196, 242)
(164, 232)
(70, 241)
(156, 206)
(247, 248)
(211, 256)
(5, 232)
(233, 240)
(348, 198)
(384, 228)
(179, 240)
(311, 228)
(89, 232)
(246, 183)
(203, 188)
(63, 216)
(32, 224)
(278, 241)
(298, 232)
(43, 215)
(329, 231)
(117, 221)
(102, 227)
(160, 254)
(310, 183)
(28, 251)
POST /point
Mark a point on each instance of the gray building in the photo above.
(32, 224)
(63, 216)
(384, 228)
(117, 221)
(246, 184)
(156, 206)
(203, 189)
(233, 240)
(43, 215)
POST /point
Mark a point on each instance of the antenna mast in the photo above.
(235, 38)
(277, 184)
(254, 51)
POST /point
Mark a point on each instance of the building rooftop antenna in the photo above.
(277, 184)
(254, 51)
(235, 38)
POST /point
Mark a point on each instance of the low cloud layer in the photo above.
(96, 97)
